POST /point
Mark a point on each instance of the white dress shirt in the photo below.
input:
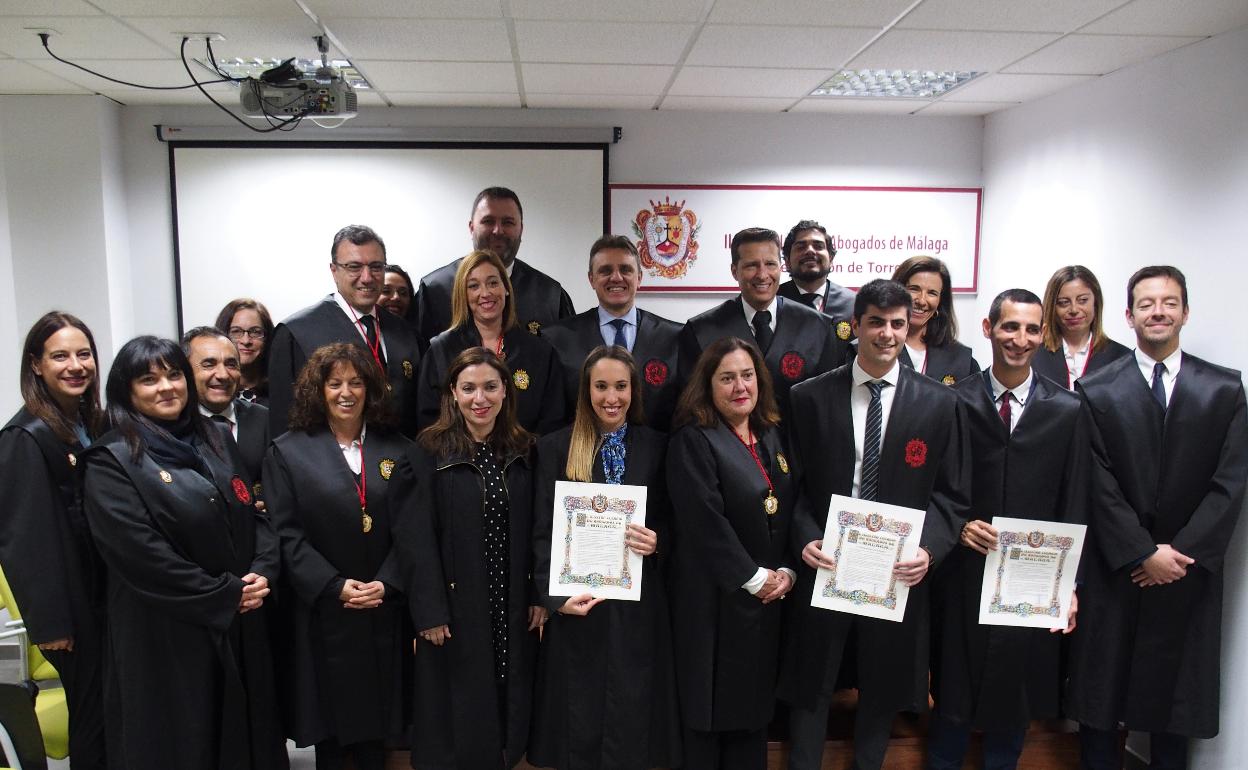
(918, 358)
(352, 452)
(228, 413)
(750, 313)
(353, 314)
(859, 401)
(608, 331)
(1077, 360)
(1018, 396)
(1172, 362)
(822, 294)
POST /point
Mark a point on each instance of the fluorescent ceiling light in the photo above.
(240, 67)
(894, 84)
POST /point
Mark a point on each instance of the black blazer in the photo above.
(655, 351)
(947, 364)
(838, 305)
(253, 439)
(299, 336)
(1052, 363)
(540, 300)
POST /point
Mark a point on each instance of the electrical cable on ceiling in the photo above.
(225, 78)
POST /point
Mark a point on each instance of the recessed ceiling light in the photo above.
(894, 84)
(251, 67)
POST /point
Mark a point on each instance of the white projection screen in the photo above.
(257, 219)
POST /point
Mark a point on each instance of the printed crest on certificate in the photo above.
(588, 554)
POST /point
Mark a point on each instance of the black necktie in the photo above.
(619, 324)
(811, 301)
(1159, 387)
(226, 421)
(370, 333)
(868, 486)
(762, 329)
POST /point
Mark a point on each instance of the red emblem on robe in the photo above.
(241, 491)
(656, 372)
(916, 453)
(792, 365)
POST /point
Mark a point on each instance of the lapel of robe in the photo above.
(587, 335)
(641, 344)
(904, 358)
(730, 320)
(841, 431)
(1035, 412)
(223, 479)
(937, 363)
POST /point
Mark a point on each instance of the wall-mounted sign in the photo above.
(683, 232)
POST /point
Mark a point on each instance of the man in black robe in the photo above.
(1029, 458)
(874, 430)
(350, 314)
(497, 224)
(797, 343)
(1170, 451)
(808, 254)
(615, 272)
(214, 359)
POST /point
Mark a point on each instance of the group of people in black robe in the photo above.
(366, 566)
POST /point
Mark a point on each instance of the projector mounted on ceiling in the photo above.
(287, 92)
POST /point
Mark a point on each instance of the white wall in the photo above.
(1146, 166)
(10, 334)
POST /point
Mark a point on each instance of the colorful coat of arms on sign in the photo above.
(667, 238)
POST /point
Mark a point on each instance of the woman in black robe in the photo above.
(326, 485)
(606, 691)
(465, 537)
(45, 547)
(732, 499)
(190, 560)
(932, 345)
(483, 314)
(1075, 342)
(250, 327)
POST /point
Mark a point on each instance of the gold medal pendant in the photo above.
(771, 504)
(366, 520)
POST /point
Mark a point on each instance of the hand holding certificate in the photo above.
(1029, 578)
(589, 552)
(864, 541)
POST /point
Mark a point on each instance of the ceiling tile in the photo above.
(1015, 88)
(942, 50)
(47, 8)
(424, 40)
(589, 101)
(244, 37)
(1047, 16)
(18, 77)
(844, 13)
(406, 9)
(592, 42)
(148, 72)
(609, 10)
(724, 104)
(401, 99)
(606, 79)
(181, 98)
(947, 108)
(1096, 54)
(856, 106)
(740, 81)
(777, 46)
(96, 37)
(246, 8)
(1174, 17)
(440, 77)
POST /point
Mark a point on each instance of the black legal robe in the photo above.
(947, 364)
(190, 680)
(458, 720)
(1149, 657)
(655, 351)
(1052, 363)
(1000, 677)
(342, 669)
(922, 465)
(540, 300)
(535, 371)
(253, 439)
(298, 337)
(838, 305)
(804, 344)
(727, 642)
(606, 688)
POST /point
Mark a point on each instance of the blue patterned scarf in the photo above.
(613, 453)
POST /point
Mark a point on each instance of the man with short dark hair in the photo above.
(1029, 459)
(797, 343)
(808, 254)
(497, 225)
(350, 314)
(1170, 450)
(615, 274)
(874, 430)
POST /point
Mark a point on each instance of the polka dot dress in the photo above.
(497, 553)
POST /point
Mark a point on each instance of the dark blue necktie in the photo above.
(762, 329)
(620, 340)
(1159, 387)
(869, 485)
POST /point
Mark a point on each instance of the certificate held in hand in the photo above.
(866, 539)
(1029, 579)
(587, 550)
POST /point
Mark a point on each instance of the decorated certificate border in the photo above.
(848, 520)
(1016, 537)
(616, 573)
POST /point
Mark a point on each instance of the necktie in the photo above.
(812, 301)
(370, 333)
(226, 421)
(868, 486)
(1005, 410)
(1159, 387)
(762, 329)
(619, 324)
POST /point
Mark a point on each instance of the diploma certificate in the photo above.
(866, 539)
(587, 551)
(1028, 580)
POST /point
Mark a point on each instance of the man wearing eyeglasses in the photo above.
(350, 314)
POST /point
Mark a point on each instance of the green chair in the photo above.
(50, 708)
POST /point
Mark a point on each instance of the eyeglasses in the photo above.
(355, 268)
(238, 332)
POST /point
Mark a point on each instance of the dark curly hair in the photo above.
(307, 412)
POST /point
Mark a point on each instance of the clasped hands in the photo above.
(1165, 566)
(358, 595)
(255, 588)
(910, 571)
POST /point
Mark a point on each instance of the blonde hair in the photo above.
(460, 314)
(1052, 328)
(586, 434)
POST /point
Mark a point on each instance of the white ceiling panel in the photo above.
(97, 37)
(249, 8)
(228, 98)
(634, 79)
(609, 10)
(948, 108)
(47, 8)
(1015, 88)
(18, 77)
(590, 42)
(724, 104)
(860, 106)
(845, 13)
(440, 77)
(1096, 54)
(246, 38)
(422, 39)
(589, 101)
(148, 72)
(1031, 16)
(741, 81)
(1174, 17)
(807, 47)
(406, 9)
(454, 100)
(944, 50)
